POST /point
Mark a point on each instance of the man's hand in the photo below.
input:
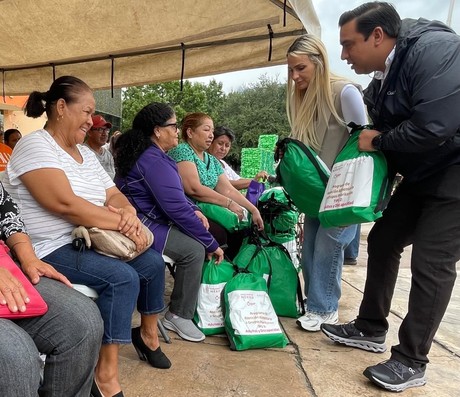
(365, 140)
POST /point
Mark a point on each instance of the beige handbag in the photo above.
(111, 242)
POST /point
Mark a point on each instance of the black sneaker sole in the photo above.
(416, 382)
(360, 344)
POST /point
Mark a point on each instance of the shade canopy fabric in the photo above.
(122, 43)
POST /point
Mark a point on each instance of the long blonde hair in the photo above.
(306, 108)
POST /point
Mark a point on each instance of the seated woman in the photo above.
(69, 334)
(204, 179)
(59, 184)
(149, 178)
(12, 137)
(220, 146)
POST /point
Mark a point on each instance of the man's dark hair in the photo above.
(370, 15)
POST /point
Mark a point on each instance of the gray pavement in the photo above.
(310, 366)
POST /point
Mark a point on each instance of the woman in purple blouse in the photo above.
(150, 180)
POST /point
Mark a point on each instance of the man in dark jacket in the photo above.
(414, 104)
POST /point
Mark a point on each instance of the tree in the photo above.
(195, 97)
(255, 110)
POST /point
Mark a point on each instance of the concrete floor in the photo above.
(311, 365)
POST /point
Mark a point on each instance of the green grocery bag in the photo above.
(270, 260)
(223, 217)
(209, 316)
(250, 319)
(357, 188)
(302, 174)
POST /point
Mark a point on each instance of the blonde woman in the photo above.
(319, 106)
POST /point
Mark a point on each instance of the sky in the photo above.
(328, 16)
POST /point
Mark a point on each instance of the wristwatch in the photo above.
(377, 142)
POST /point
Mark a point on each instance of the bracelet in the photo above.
(229, 202)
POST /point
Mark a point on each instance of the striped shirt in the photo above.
(88, 180)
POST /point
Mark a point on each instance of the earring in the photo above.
(60, 117)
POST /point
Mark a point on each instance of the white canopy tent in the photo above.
(117, 43)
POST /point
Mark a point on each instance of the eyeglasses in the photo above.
(101, 129)
(174, 125)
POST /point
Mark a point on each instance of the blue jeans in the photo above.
(352, 251)
(322, 261)
(69, 333)
(119, 285)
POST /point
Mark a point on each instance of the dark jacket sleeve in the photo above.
(429, 78)
(165, 186)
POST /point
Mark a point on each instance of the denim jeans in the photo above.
(69, 334)
(425, 214)
(352, 251)
(119, 285)
(322, 262)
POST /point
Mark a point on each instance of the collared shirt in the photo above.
(378, 75)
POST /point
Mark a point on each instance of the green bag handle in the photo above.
(281, 145)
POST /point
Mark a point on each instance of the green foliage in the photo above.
(252, 111)
(195, 97)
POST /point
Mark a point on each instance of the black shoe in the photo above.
(395, 376)
(349, 335)
(350, 262)
(156, 358)
(95, 392)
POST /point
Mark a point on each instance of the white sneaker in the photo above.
(311, 321)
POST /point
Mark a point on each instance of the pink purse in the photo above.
(37, 306)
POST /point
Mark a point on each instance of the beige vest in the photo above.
(332, 136)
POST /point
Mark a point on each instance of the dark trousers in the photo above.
(425, 214)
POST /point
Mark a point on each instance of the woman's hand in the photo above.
(257, 219)
(140, 240)
(12, 293)
(261, 175)
(132, 226)
(237, 209)
(34, 269)
(129, 223)
(218, 255)
(203, 219)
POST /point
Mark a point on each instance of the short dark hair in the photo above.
(65, 87)
(222, 130)
(371, 15)
(8, 133)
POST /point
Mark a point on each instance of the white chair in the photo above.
(89, 292)
(170, 265)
